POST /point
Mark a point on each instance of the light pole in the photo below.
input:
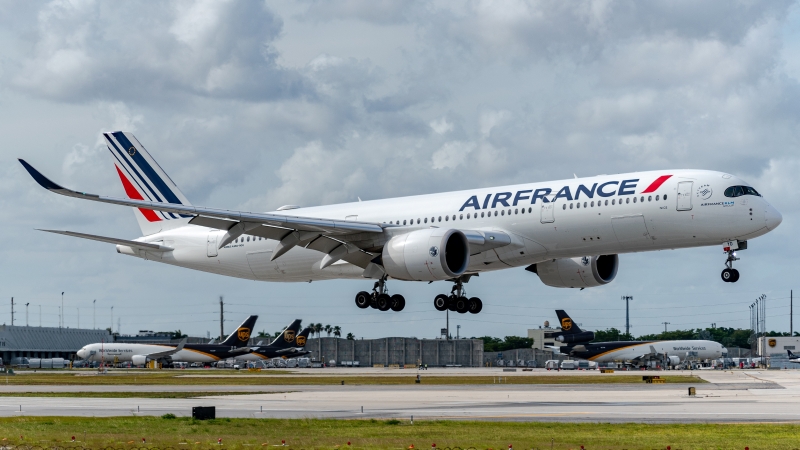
(61, 312)
(26, 313)
(627, 299)
(111, 328)
(94, 314)
(665, 326)
(458, 332)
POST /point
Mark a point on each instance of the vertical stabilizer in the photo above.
(287, 338)
(241, 335)
(143, 179)
(566, 323)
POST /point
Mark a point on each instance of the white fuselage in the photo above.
(683, 349)
(610, 215)
(112, 352)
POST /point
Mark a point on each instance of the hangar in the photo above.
(46, 342)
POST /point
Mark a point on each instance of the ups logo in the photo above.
(773, 342)
(566, 324)
(288, 336)
(301, 341)
(243, 334)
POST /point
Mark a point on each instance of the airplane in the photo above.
(286, 349)
(139, 354)
(568, 232)
(793, 358)
(637, 353)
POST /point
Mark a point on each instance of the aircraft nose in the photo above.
(772, 217)
(81, 353)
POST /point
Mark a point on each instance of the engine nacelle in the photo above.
(588, 271)
(583, 336)
(431, 254)
(673, 360)
(139, 360)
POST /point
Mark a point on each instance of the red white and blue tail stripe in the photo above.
(143, 179)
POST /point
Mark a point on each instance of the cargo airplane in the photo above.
(284, 351)
(236, 344)
(568, 232)
(638, 353)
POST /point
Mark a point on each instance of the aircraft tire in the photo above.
(735, 276)
(727, 275)
(383, 302)
(462, 305)
(440, 302)
(398, 302)
(451, 302)
(475, 305)
(363, 299)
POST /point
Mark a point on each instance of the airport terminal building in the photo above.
(46, 342)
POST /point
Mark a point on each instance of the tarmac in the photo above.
(729, 396)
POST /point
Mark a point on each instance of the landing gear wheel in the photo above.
(462, 305)
(363, 299)
(451, 302)
(475, 305)
(727, 275)
(384, 302)
(440, 302)
(735, 276)
(398, 302)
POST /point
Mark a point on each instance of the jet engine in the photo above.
(431, 254)
(673, 360)
(583, 336)
(139, 360)
(587, 271)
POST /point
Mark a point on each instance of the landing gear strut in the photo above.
(457, 300)
(380, 298)
(729, 274)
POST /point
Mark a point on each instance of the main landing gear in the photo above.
(729, 274)
(380, 298)
(457, 300)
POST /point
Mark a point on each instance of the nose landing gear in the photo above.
(380, 298)
(729, 274)
(457, 300)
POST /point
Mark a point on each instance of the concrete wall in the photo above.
(46, 342)
(398, 350)
(525, 354)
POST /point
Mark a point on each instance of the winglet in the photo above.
(181, 344)
(41, 179)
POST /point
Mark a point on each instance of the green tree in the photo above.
(177, 335)
(493, 344)
(351, 337)
(328, 329)
(337, 331)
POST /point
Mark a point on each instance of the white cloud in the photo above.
(451, 155)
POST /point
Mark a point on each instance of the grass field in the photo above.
(246, 378)
(392, 434)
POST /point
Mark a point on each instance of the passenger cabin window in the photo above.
(738, 191)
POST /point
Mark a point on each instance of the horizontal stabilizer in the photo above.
(133, 244)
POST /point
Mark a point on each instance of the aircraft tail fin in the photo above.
(791, 355)
(288, 336)
(566, 323)
(241, 336)
(143, 179)
(302, 338)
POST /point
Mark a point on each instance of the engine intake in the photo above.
(587, 271)
(139, 360)
(431, 254)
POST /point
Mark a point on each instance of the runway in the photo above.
(738, 396)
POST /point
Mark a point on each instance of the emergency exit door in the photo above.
(548, 210)
(684, 196)
(211, 250)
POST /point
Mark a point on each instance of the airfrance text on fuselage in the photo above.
(625, 187)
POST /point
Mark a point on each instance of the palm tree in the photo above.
(351, 337)
(328, 329)
(317, 327)
(337, 331)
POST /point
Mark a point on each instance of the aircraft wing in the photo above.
(338, 239)
(134, 244)
(164, 354)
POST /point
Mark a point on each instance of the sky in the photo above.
(254, 105)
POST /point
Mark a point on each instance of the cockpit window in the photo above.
(738, 191)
